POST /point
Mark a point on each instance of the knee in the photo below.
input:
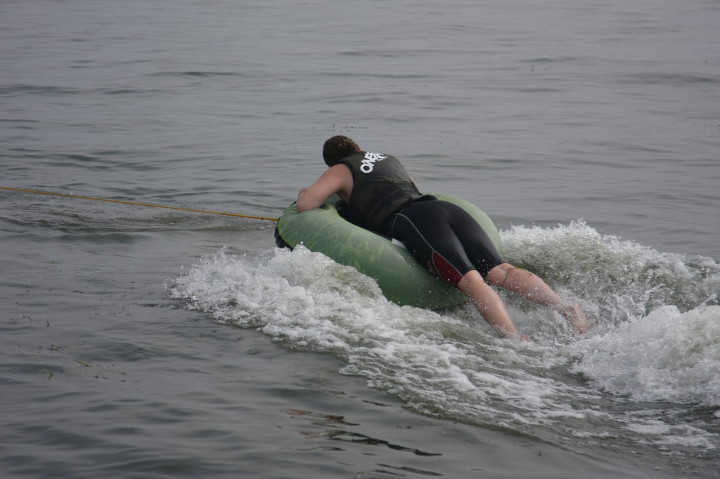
(499, 274)
(506, 275)
(470, 281)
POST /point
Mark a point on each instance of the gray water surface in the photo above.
(143, 342)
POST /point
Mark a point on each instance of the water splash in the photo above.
(645, 375)
(622, 280)
(665, 356)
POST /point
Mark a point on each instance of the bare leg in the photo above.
(531, 287)
(488, 303)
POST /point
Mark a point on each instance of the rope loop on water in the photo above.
(135, 203)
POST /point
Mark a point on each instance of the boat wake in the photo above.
(645, 376)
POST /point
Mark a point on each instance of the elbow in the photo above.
(300, 207)
(303, 203)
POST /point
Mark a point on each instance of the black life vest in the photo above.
(381, 187)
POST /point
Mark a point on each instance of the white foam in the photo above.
(619, 280)
(452, 365)
(445, 361)
(665, 356)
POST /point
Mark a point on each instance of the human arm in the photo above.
(336, 179)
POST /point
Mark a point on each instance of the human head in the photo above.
(337, 148)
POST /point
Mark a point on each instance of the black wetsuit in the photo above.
(438, 234)
(445, 238)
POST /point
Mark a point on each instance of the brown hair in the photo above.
(337, 148)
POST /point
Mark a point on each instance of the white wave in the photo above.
(452, 365)
(622, 280)
(667, 355)
(449, 364)
(657, 336)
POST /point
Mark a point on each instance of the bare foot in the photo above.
(575, 316)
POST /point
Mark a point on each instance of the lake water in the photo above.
(143, 342)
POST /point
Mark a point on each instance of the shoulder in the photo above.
(338, 171)
(352, 160)
(337, 177)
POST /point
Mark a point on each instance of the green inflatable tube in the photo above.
(402, 279)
